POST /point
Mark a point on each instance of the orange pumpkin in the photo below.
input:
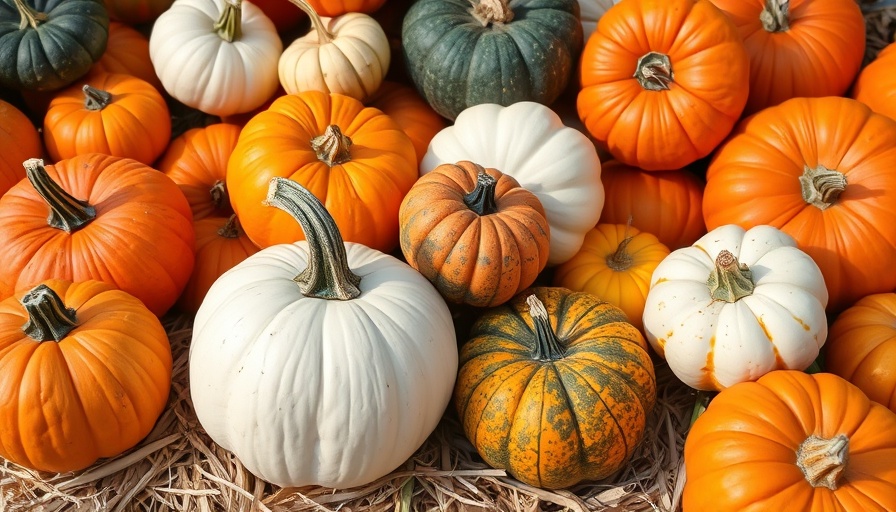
(791, 441)
(861, 347)
(689, 86)
(333, 8)
(113, 114)
(354, 159)
(798, 48)
(197, 162)
(111, 219)
(475, 233)
(876, 83)
(668, 204)
(86, 374)
(19, 141)
(127, 53)
(819, 169)
(405, 106)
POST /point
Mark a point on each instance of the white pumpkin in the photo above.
(220, 71)
(528, 141)
(736, 305)
(591, 12)
(348, 54)
(321, 362)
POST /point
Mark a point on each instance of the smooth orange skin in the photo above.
(740, 454)
(135, 12)
(363, 194)
(861, 347)
(590, 270)
(876, 83)
(754, 179)
(19, 141)
(95, 393)
(405, 106)
(819, 55)
(141, 240)
(136, 124)
(480, 260)
(196, 160)
(127, 52)
(663, 130)
(333, 8)
(667, 204)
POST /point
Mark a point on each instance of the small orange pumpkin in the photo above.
(127, 53)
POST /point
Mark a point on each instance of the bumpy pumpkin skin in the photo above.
(553, 423)
(741, 453)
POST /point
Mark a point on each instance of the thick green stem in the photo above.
(547, 346)
(229, 24)
(29, 17)
(482, 198)
(654, 71)
(327, 275)
(821, 186)
(231, 228)
(823, 461)
(66, 212)
(775, 17)
(729, 280)
(333, 147)
(95, 99)
(323, 35)
(492, 11)
(48, 318)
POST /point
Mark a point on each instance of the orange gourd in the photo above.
(19, 141)
(127, 53)
(405, 106)
(876, 83)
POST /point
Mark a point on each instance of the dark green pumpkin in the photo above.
(458, 54)
(48, 44)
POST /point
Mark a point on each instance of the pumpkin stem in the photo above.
(229, 24)
(327, 275)
(231, 228)
(96, 99)
(729, 280)
(654, 71)
(547, 346)
(482, 199)
(29, 16)
(323, 35)
(219, 194)
(48, 318)
(66, 212)
(823, 460)
(332, 148)
(492, 11)
(775, 17)
(621, 259)
(821, 186)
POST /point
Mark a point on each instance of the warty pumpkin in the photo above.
(555, 387)
(86, 374)
(19, 141)
(876, 84)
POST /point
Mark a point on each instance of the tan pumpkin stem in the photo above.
(95, 99)
(231, 228)
(821, 186)
(327, 275)
(220, 198)
(621, 259)
(324, 36)
(48, 318)
(229, 25)
(547, 346)
(775, 17)
(333, 147)
(482, 198)
(29, 16)
(729, 280)
(654, 71)
(492, 11)
(66, 212)
(823, 461)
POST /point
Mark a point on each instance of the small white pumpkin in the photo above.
(348, 54)
(736, 305)
(591, 12)
(217, 56)
(321, 362)
(529, 141)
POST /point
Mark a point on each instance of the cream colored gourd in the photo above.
(321, 362)
(591, 12)
(736, 305)
(217, 56)
(528, 141)
(348, 54)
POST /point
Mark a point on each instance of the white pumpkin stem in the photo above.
(220, 198)
(29, 16)
(775, 17)
(333, 147)
(327, 275)
(96, 99)
(547, 346)
(654, 71)
(482, 198)
(729, 280)
(821, 187)
(66, 212)
(324, 36)
(230, 24)
(492, 11)
(48, 318)
(823, 461)
(231, 228)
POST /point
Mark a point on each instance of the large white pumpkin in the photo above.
(528, 141)
(336, 388)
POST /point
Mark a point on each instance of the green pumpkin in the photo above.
(48, 44)
(461, 53)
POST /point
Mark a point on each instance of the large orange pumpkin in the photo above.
(662, 81)
(876, 83)
(354, 159)
(821, 170)
(19, 141)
